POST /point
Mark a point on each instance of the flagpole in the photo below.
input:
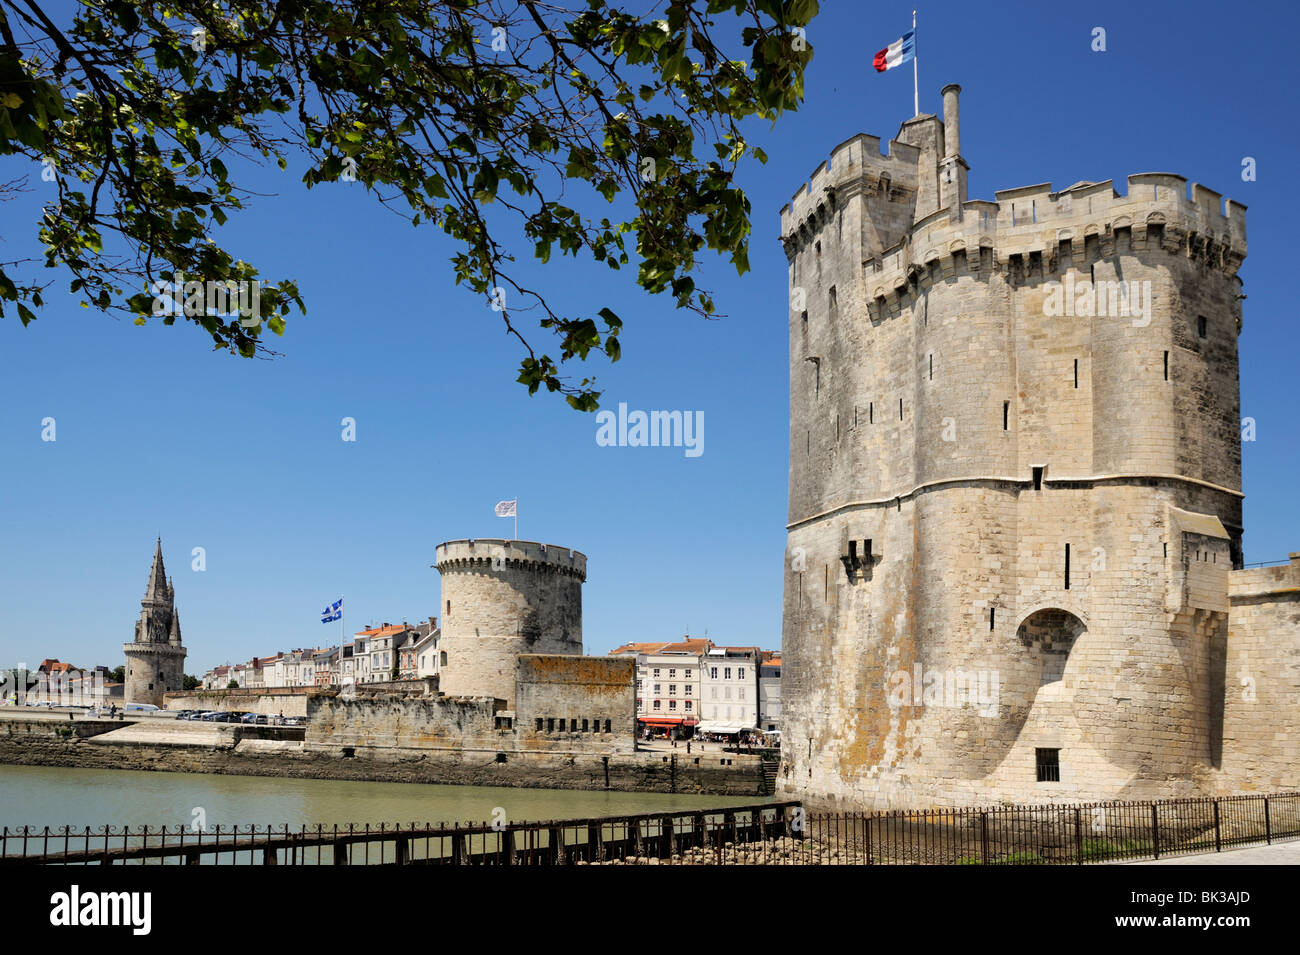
(342, 632)
(916, 94)
(516, 518)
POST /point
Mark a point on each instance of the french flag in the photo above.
(896, 54)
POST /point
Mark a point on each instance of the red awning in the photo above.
(660, 720)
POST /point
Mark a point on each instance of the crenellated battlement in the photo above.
(856, 164)
(501, 554)
(1044, 233)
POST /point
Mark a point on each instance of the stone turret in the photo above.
(501, 599)
(155, 660)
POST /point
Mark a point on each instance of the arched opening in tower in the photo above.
(1050, 634)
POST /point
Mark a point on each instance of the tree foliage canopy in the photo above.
(475, 117)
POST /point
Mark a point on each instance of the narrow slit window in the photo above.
(871, 412)
(1038, 479)
(992, 611)
(1006, 415)
(1166, 366)
(932, 366)
(1067, 566)
(1202, 326)
(1076, 373)
(900, 409)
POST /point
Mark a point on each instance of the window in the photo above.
(688, 690)
(561, 724)
(1201, 326)
(672, 674)
(688, 706)
(656, 704)
(672, 704)
(448, 606)
(713, 673)
(1038, 479)
(740, 673)
(657, 685)
(1049, 765)
(550, 724)
(1166, 366)
(1006, 414)
(656, 673)
(672, 689)
(686, 673)
(1067, 566)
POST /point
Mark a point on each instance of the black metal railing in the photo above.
(781, 833)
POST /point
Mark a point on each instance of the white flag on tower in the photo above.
(507, 508)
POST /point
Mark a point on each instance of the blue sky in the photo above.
(156, 435)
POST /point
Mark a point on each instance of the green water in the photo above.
(40, 796)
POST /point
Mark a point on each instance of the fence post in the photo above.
(984, 837)
(403, 846)
(1218, 845)
(555, 836)
(1268, 825)
(1155, 830)
(340, 853)
(268, 856)
(666, 839)
(1078, 837)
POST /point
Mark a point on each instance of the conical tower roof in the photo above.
(157, 589)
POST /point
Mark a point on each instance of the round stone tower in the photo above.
(155, 660)
(500, 599)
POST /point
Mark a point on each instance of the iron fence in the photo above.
(780, 833)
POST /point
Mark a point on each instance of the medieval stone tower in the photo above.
(500, 599)
(1015, 481)
(155, 661)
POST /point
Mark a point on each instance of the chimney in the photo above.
(952, 168)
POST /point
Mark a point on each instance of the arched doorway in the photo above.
(1050, 634)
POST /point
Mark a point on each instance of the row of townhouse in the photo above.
(695, 686)
(376, 655)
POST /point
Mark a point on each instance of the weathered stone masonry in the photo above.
(986, 479)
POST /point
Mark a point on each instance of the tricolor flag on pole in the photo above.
(897, 53)
(510, 509)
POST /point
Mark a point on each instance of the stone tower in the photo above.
(1015, 481)
(155, 660)
(500, 599)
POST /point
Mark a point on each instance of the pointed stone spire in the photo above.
(174, 636)
(157, 589)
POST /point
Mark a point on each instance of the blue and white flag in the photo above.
(333, 612)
